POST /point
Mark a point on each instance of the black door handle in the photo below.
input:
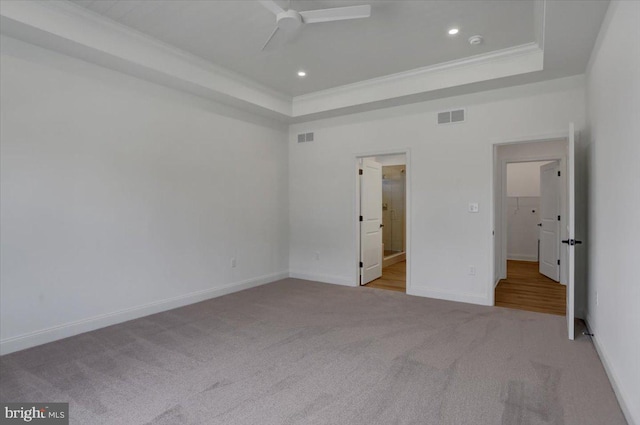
(381, 226)
(572, 242)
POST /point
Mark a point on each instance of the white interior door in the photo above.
(549, 216)
(571, 232)
(370, 221)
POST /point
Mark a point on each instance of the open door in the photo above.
(571, 242)
(549, 264)
(370, 221)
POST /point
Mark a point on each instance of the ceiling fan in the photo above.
(290, 20)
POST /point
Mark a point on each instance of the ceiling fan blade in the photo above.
(270, 37)
(280, 38)
(335, 14)
(271, 6)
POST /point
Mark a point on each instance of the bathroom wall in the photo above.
(393, 207)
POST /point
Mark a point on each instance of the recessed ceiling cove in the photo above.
(368, 54)
(398, 36)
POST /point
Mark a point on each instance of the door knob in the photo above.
(572, 242)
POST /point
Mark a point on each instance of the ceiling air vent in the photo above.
(449, 117)
(305, 137)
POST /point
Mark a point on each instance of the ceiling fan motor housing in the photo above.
(289, 20)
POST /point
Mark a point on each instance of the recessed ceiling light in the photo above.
(453, 31)
(302, 74)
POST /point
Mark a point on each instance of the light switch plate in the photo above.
(473, 207)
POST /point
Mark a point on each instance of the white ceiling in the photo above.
(399, 36)
(402, 54)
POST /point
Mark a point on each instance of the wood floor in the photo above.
(526, 289)
(394, 278)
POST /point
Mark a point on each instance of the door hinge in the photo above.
(361, 265)
(360, 171)
(558, 218)
(558, 262)
(361, 218)
(558, 173)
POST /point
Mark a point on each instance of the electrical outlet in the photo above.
(472, 270)
(233, 263)
(473, 207)
(316, 255)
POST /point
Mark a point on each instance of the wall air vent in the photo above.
(305, 137)
(457, 115)
(444, 117)
(450, 117)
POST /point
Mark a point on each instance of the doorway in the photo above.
(382, 205)
(558, 147)
(533, 198)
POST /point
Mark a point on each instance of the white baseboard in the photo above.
(613, 378)
(522, 257)
(32, 339)
(462, 297)
(324, 278)
(394, 259)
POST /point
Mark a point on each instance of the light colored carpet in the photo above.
(297, 352)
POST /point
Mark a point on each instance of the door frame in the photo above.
(498, 190)
(356, 208)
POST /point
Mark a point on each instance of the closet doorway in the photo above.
(533, 214)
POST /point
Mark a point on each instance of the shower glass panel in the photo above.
(393, 205)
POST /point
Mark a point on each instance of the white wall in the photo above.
(387, 160)
(613, 91)
(523, 216)
(121, 198)
(523, 178)
(449, 166)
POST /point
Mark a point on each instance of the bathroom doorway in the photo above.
(393, 214)
(383, 227)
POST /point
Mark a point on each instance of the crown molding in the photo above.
(75, 31)
(502, 63)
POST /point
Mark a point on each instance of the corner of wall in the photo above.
(613, 377)
(21, 342)
(324, 278)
